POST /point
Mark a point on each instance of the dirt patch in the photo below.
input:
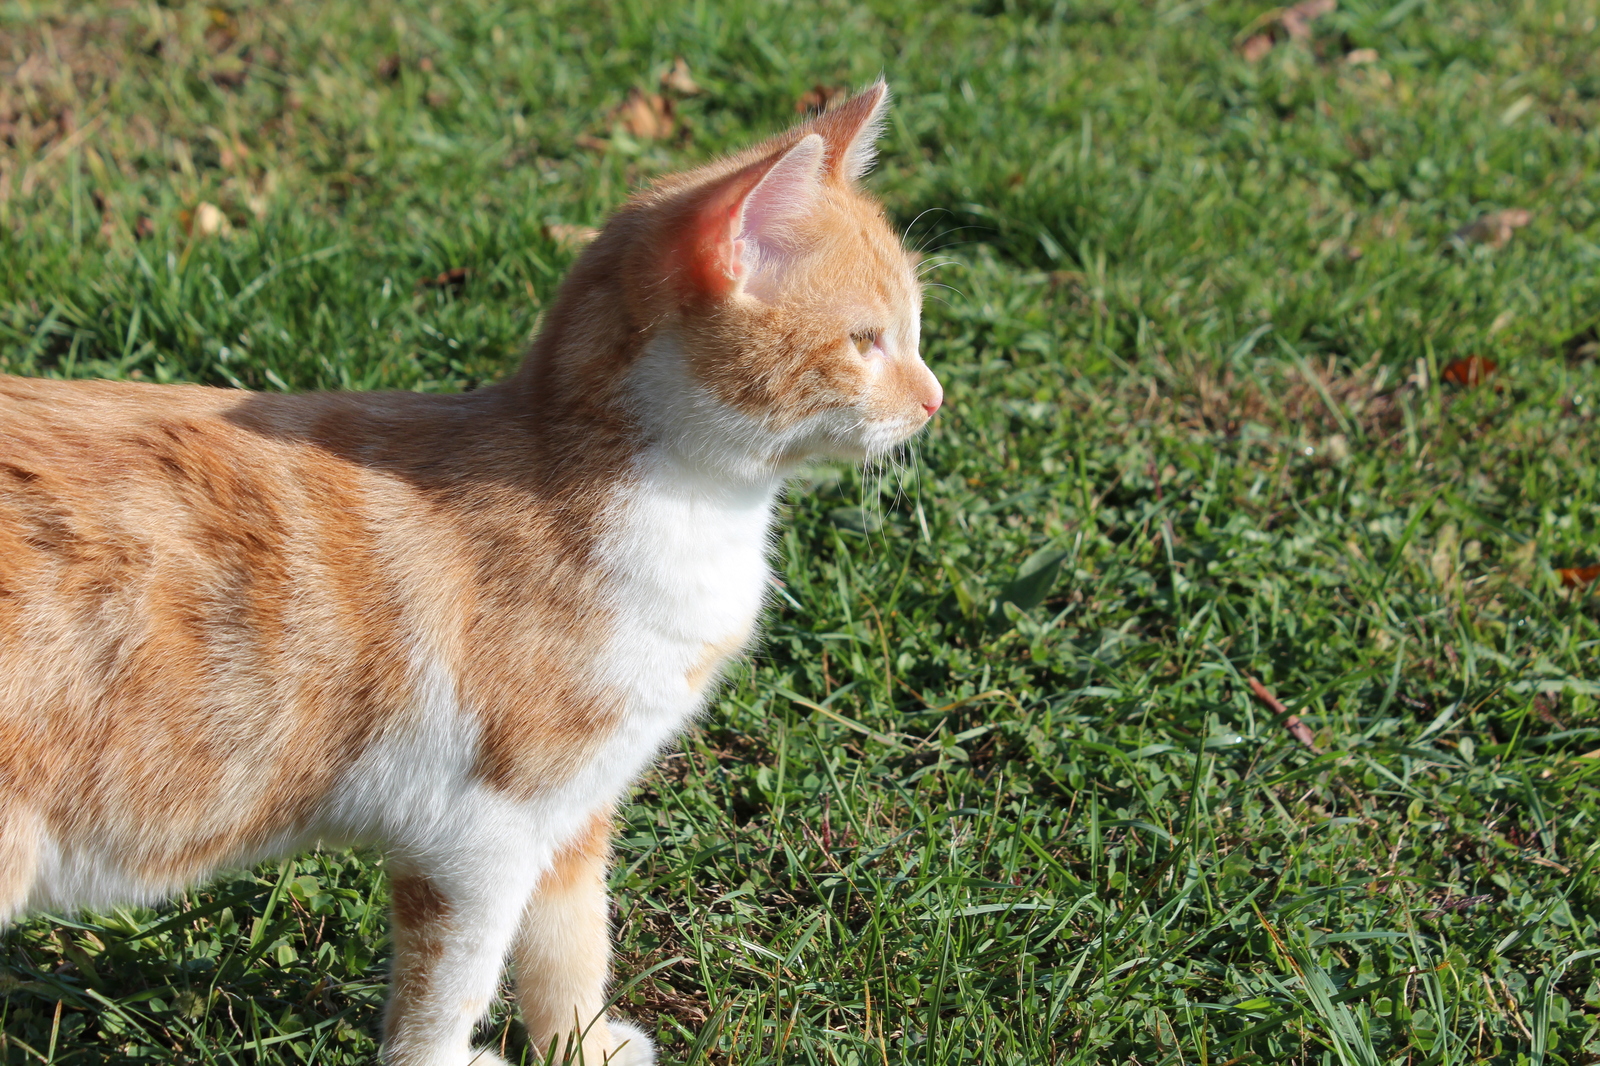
(52, 70)
(59, 74)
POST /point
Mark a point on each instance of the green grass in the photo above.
(995, 789)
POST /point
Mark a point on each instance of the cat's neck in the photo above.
(602, 382)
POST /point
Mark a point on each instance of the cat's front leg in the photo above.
(451, 934)
(563, 956)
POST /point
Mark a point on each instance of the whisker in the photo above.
(942, 285)
(934, 261)
(919, 247)
(952, 229)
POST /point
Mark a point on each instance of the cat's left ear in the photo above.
(852, 129)
(745, 226)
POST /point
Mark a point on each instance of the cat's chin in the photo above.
(884, 442)
(876, 443)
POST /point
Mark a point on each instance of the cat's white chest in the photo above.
(687, 568)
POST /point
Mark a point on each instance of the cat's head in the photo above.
(781, 307)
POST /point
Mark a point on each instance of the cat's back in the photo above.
(104, 484)
(197, 623)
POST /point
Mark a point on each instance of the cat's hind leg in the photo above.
(563, 956)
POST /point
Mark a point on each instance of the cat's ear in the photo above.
(745, 225)
(852, 129)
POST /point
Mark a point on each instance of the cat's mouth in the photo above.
(851, 437)
(884, 438)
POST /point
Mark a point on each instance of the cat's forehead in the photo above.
(861, 252)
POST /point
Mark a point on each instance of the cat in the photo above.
(233, 625)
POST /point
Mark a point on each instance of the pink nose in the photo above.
(934, 406)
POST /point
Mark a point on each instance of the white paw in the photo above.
(634, 1048)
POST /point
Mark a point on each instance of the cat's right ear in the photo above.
(743, 226)
(852, 129)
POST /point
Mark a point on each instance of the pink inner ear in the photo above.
(747, 221)
(781, 199)
(708, 247)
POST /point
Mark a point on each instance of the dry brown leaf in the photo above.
(1473, 370)
(1301, 732)
(232, 154)
(1297, 20)
(1293, 22)
(454, 279)
(821, 98)
(1576, 577)
(679, 80)
(570, 236)
(645, 116)
(1255, 47)
(1360, 57)
(1495, 228)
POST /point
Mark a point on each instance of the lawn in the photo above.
(1214, 684)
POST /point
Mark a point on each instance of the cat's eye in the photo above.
(865, 342)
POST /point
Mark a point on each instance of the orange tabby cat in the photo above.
(456, 627)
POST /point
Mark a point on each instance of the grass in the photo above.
(996, 788)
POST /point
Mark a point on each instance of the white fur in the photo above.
(637, 1051)
(686, 566)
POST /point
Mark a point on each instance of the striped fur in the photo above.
(233, 625)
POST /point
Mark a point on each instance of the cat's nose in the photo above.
(934, 406)
(935, 399)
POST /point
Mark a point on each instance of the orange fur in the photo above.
(455, 626)
(561, 951)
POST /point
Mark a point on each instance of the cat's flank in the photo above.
(455, 627)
